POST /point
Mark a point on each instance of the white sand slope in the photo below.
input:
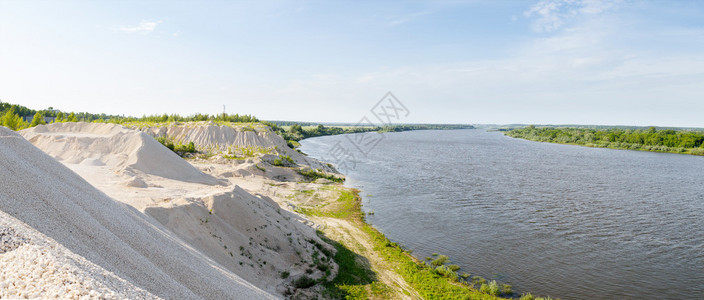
(48, 197)
(123, 150)
(217, 138)
(34, 266)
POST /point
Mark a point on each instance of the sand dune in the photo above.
(113, 237)
(122, 150)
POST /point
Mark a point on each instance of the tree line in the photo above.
(13, 116)
(647, 139)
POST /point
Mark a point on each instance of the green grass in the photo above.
(428, 283)
(312, 175)
(354, 280)
(346, 205)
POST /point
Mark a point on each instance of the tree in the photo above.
(12, 120)
(72, 117)
(37, 120)
(296, 128)
(59, 117)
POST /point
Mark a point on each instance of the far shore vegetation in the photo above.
(643, 139)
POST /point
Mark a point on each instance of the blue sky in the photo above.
(551, 61)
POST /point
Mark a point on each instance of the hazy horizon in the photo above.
(590, 62)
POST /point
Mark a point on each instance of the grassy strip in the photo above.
(428, 283)
(312, 175)
(354, 280)
(345, 207)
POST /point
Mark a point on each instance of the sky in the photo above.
(625, 62)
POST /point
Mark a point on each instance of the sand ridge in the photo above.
(123, 150)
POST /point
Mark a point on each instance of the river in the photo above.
(554, 220)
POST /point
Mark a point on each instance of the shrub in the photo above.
(506, 289)
(478, 280)
(493, 288)
(527, 297)
(166, 142)
(190, 148)
(442, 259)
(304, 282)
(285, 274)
(283, 160)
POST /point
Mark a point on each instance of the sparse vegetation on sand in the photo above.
(283, 161)
(178, 148)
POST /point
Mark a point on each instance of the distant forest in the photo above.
(17, 117)
(649, 139)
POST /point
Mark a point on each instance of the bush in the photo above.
(478, 280)
(179, 149)
(442, 259)
(190, 148)
(527, 297)
(493, 288)
(506, 289)
(283, 160)
(285, 274)
(164, 141)
(304, 282)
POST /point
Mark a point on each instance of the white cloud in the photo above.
(143, 27)
(554, 14)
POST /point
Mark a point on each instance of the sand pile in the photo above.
(213, 138)
(249, 235)
(114, 238)
(124, 151)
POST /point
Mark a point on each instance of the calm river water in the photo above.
(555, 220)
